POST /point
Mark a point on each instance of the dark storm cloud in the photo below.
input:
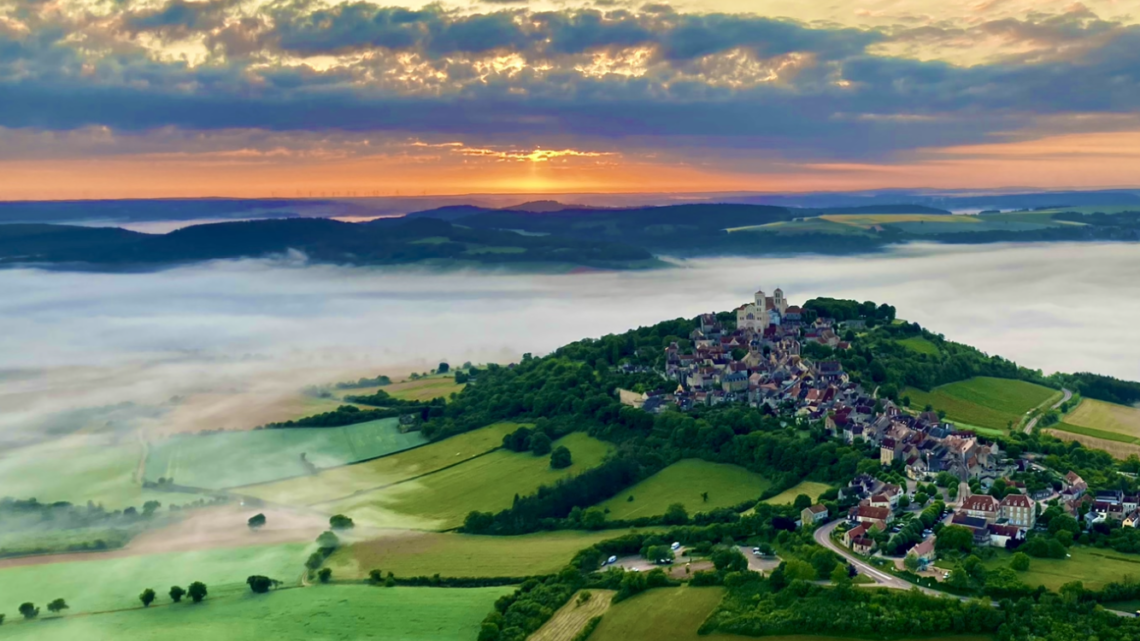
(841, 100)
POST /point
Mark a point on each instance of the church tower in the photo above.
(760, 297)
(778, 300)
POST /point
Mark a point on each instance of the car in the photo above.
(676, 546)
(756, 551)
(610, 561)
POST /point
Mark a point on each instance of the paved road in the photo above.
(1066, 395)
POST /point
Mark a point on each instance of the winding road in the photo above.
(1065, 396)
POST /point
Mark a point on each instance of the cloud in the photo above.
(518, 77)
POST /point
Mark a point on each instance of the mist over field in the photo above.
(202, 343)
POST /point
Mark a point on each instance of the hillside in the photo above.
(380, 242)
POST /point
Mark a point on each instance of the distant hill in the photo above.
(380, 242)
(546, 206)
(450, 212)
(877, 209)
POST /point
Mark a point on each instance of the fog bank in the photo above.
(76, 340)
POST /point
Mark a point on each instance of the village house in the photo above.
(813, 515)
(868, 514)
(1019, 510)
(862, 545)
(923, 551)
(982, 506)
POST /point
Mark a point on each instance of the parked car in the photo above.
(610, 561)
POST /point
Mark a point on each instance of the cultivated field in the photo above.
(408, 553)
(1106, 417)
(683, 482)
(115, 583)
(441, 500)
(992, 403)
(1093, 567)
(240, 411)
(788, 496)
(343, 482)
(662, 614)
(301, 614)
(1112, 445)
(423, 389)
(81, 468)
(569, 620)
(232, 459)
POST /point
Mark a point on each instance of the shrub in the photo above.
(147, 597)
(324, 575)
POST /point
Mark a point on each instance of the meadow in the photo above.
(115, 583)
(408, 553)
(1106, 417)
(992, 403)
(424, 389)
(100, 468)
(233, 459)
(323, 612)
(342, 482)
(788, 496)
(442, 499)
(1118, 446)
(683, 482)
(919, 345)
(1092, 566)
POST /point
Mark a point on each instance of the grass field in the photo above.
(569, 620)
(1093, 567)
(80, 468)
(320, 613)
(424, 389)
(1106, 417)
(986, 402)
(920, 345)
(231, 459)
(449, 554)
(110, 584)
(683, 482)
(489, 483)
(1113, 446)
(342, 482)
(788, 496)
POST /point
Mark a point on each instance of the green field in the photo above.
(489, 483)
(683, 482)
(449, 554)
(1103, 417)
(232, 459)
(424, 389)
(1091, 566)
(342, 482)
(788, 496)
(99, 468)
(992, 403)
(114, 583)
(319, 613)
(1065, 426)
(920, 345)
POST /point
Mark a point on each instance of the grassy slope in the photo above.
(426, 553)
(1113, 446)
(442, 500)
(98, 468)
(108, 584)
(231, 459)
(424, 389)
(1091, 566)
(683, 483)
(986, 402)
(920, 345)
(318, 613)
(341, 482)
(788, 496)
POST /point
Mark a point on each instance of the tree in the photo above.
(729, 559)
(540, 444)
(57, 606)
(328, 540)
(796, 569)
(904, 501)
(802, 501)
(824, 563)
(256, 521)
(659, 553)
(341, 522)
(675, 514)
(147, 597)
(324, 575)
(259, 584)
(150, 507)
(29, 611)
(560, 458)
(912, 563)
(705, 497)
(176, 593)
(593, 518)
(955, 538)
(443, 368)
(921, 498)
(375, 577)
(197, 591)
(1019, 562)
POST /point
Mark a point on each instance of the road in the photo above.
(882, 579)
(1065, 396)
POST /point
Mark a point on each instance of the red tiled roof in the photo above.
(981, 503)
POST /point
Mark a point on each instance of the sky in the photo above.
(160, 98)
